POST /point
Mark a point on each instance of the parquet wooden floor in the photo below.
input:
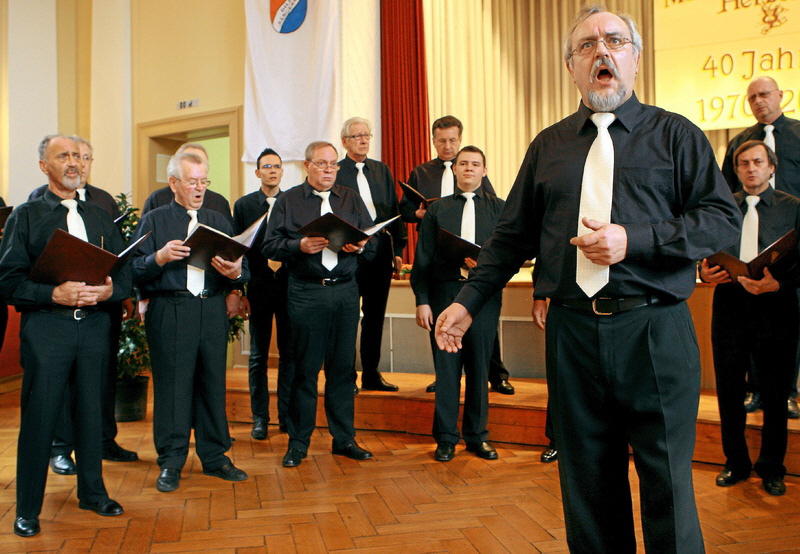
(401, 501)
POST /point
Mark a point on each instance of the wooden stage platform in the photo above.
(516, 419)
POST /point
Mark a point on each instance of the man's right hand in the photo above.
(313, 245)
(539, 313)
(173, 250)
(420, 213)
(424, 316)
(713, 274)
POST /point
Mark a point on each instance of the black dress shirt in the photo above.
(27, 232)
(213, 201)
(171, 222)
(669, 195)
(246, 211)
(446, 214)
(298, 207)
(778, 213)
(384, 195)
(787, 146)
(94, 195)
(427, 179)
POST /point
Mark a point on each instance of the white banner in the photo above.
(291, 76)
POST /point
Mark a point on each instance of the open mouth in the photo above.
(604, 75)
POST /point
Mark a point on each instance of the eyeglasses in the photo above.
(588, 47)
(87, 158)
(271, 166)
(359, 136)
(323, 165)
(762, 95)
(194, 183)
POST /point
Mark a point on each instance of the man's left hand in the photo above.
(231, 270)
(355, 247)
(606, 245)
(451, 326)
(766, 284)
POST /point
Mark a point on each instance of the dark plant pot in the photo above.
(131, 399)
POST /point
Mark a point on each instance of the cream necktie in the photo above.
(195, 277)
(75, 224)
(597, 189)
(329, 257)
(447, 180)
(468, 222)
(749, 245)
(273, 265)
(81, 193)
(363, 190)
(769, 140)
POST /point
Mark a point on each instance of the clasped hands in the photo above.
(315, 245)
(175, 250)
(715, 274)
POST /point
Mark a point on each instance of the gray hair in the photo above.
(46, 141)
(588, 11)
(316, 145)
(80, 140)
(195, 145)
(354, 121)
(175, 166)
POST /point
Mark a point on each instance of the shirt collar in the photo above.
(627, 114)
(308, 190)
(54, 201)
(767, 197)
(479, 193)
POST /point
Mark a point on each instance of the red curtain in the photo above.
(404, 97)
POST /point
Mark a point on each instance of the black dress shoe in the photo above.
(483, 450)
(26, 527)
(445, 452)
(293, 457)
(168, 480)
(728, 477)
(282, 427)
(352, 451)
(752, 402)
(228, 472)
(105, 507)
(503, 387)
(793, 410)
(63, 465)
(431, 387)
(355, 389)
(378, 383)
(549, 455)
(259, 431)
(775, 486)
(115, 453)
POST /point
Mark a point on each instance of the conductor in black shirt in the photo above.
(323, 302)
(755, 319)
(617, 203)
(372, 180)
(187, 328)
(266, 297)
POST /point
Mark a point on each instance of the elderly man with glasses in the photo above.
(322, 301)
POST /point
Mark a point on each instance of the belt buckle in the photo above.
(329, 282)
(203, 294)
(594, 306)
(78, 314)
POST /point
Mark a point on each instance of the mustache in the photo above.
(604, 61)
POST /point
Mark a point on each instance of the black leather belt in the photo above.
(610, 306)
(330, 282)
(205, 293)
(74, 313)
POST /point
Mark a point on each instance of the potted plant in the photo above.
(133, 356)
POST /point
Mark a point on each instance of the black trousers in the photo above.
(630, 379)
(374, 281)
(267, 300)
(63, 440)
(188, 348)
(474, 359)
(60, 354)
(3, 322)
(763, 328)
(324, 327)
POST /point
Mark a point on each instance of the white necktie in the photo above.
(597, 189)
(769, 140)
(749, 247)
(447, 180)
(195, 277)
(468, 222)
(329, 257)
(363, 190)
(75, 224)
(273, 265)
(81, 194)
